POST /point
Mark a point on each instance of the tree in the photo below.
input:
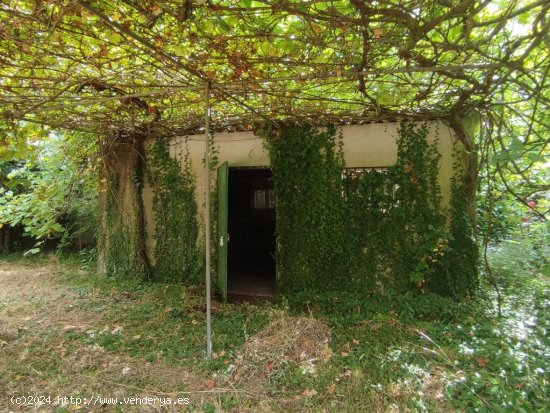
(53, 192)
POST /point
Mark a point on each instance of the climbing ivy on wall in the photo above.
(307, 165)
(365, 230)
(177, 254)
(406, 234)
(213, 187)
(457, 274)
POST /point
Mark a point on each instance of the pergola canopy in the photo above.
(100, 66)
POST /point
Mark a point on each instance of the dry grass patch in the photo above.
(47, 347)
(33, 299)
(300, 340)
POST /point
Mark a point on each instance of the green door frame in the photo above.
(223, 236)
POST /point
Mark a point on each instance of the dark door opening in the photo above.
(251, 228)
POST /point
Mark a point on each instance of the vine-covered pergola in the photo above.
(103, 65)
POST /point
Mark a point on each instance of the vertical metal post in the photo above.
(207, 217)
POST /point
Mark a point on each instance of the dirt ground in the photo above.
(40, 365)
(73, 341)
(33, 298)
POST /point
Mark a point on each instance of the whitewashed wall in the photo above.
(372, 145)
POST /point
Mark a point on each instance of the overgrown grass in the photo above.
(162, 321)
(388, 353)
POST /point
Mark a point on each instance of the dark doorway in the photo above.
(251, 227)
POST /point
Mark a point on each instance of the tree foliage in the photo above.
(52, 193)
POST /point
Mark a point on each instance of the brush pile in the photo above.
(301, 341)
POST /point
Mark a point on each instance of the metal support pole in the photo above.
(207, 217)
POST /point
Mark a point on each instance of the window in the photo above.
(351, 178)
(263, 199)
(270, 199)
(259, 199)
(377, 190)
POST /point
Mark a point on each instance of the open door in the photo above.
(251, 220)
(223, 236)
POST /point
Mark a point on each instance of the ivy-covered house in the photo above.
(364, 208)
